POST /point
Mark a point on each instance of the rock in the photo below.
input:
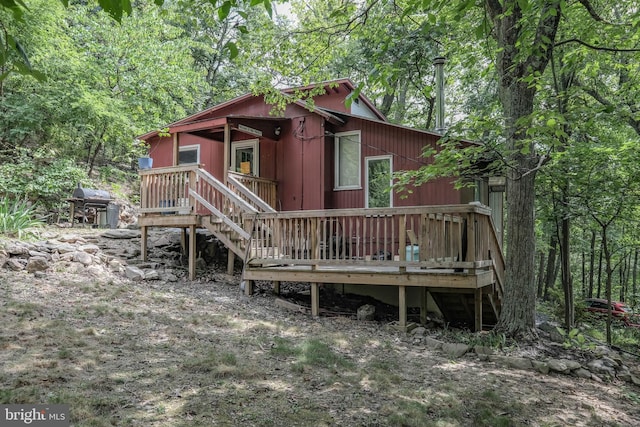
(83, 258)
(512, 362)
(121, 234)
(519, 363)
(16, 249)
(170, 277)
(419, 331)
(4, 256)
(15, 264)
(455, 350)
(563, 366)
(481, 349)
(635, 380)
(134, 273)
(582, 373)
(95, 271)
(151, 275)
(90, 249)
(542, 367)
(609, 362)
(40, 254)
(71, 238)
(597, 366)
(37, 263)
(433, 343)
(65, 248)
(366, 312)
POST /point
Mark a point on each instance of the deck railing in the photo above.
(166, 190)
(452, 236)
(459, 237)
(265, 189)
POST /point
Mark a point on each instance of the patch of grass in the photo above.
(64, 353)
(217, 364)
(409, 413)
(490, 410)
(315, 353)
(283, 347)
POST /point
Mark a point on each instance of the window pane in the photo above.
(379, 175)
(188, 156)
(348, 160)
(244, 160)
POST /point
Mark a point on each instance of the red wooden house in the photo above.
(303, 194)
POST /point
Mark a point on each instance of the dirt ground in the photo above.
(201, 353)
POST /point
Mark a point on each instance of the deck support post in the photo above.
(143, 242)
(315, 300)
(478, 309)
(183, 240)
(423, 306)
(276, 287)
(248, 287)
(192, 252)
(231, 260)
(402, 306)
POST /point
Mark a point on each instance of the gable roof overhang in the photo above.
(336, 86)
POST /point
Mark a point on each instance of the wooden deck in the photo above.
(444, 250)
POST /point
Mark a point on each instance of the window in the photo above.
(347, 161)
(379, 181)
(245, 157)
(189, 154)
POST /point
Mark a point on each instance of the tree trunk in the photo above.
(550, 277)
(515, 60)
(599, 272)
(592, 261)
(634, 280)
(540, 274)
(567, 281)
(609, 271)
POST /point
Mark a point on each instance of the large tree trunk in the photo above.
(517, 59)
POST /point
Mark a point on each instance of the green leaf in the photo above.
(232, 48)
(551, 122)
(224, 10)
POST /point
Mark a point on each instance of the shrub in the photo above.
(45, 180)
(16, 217)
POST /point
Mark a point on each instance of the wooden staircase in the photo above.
(231, 224)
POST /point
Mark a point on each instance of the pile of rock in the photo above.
(112, 251)
(600, 364)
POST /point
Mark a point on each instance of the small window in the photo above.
(347, 161)
(189, 154)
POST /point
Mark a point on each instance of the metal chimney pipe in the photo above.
(439, 65)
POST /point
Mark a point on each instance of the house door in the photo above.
(378, 183)
(245, 157)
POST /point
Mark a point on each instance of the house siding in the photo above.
(405, 147)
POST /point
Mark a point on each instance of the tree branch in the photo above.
(590, 46)
(587, 5)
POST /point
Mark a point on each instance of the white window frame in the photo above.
(253, 143)
(336, 185)
(189, 148)
(366, 192)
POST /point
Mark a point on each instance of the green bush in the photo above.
(43, 180)
(17, 217)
